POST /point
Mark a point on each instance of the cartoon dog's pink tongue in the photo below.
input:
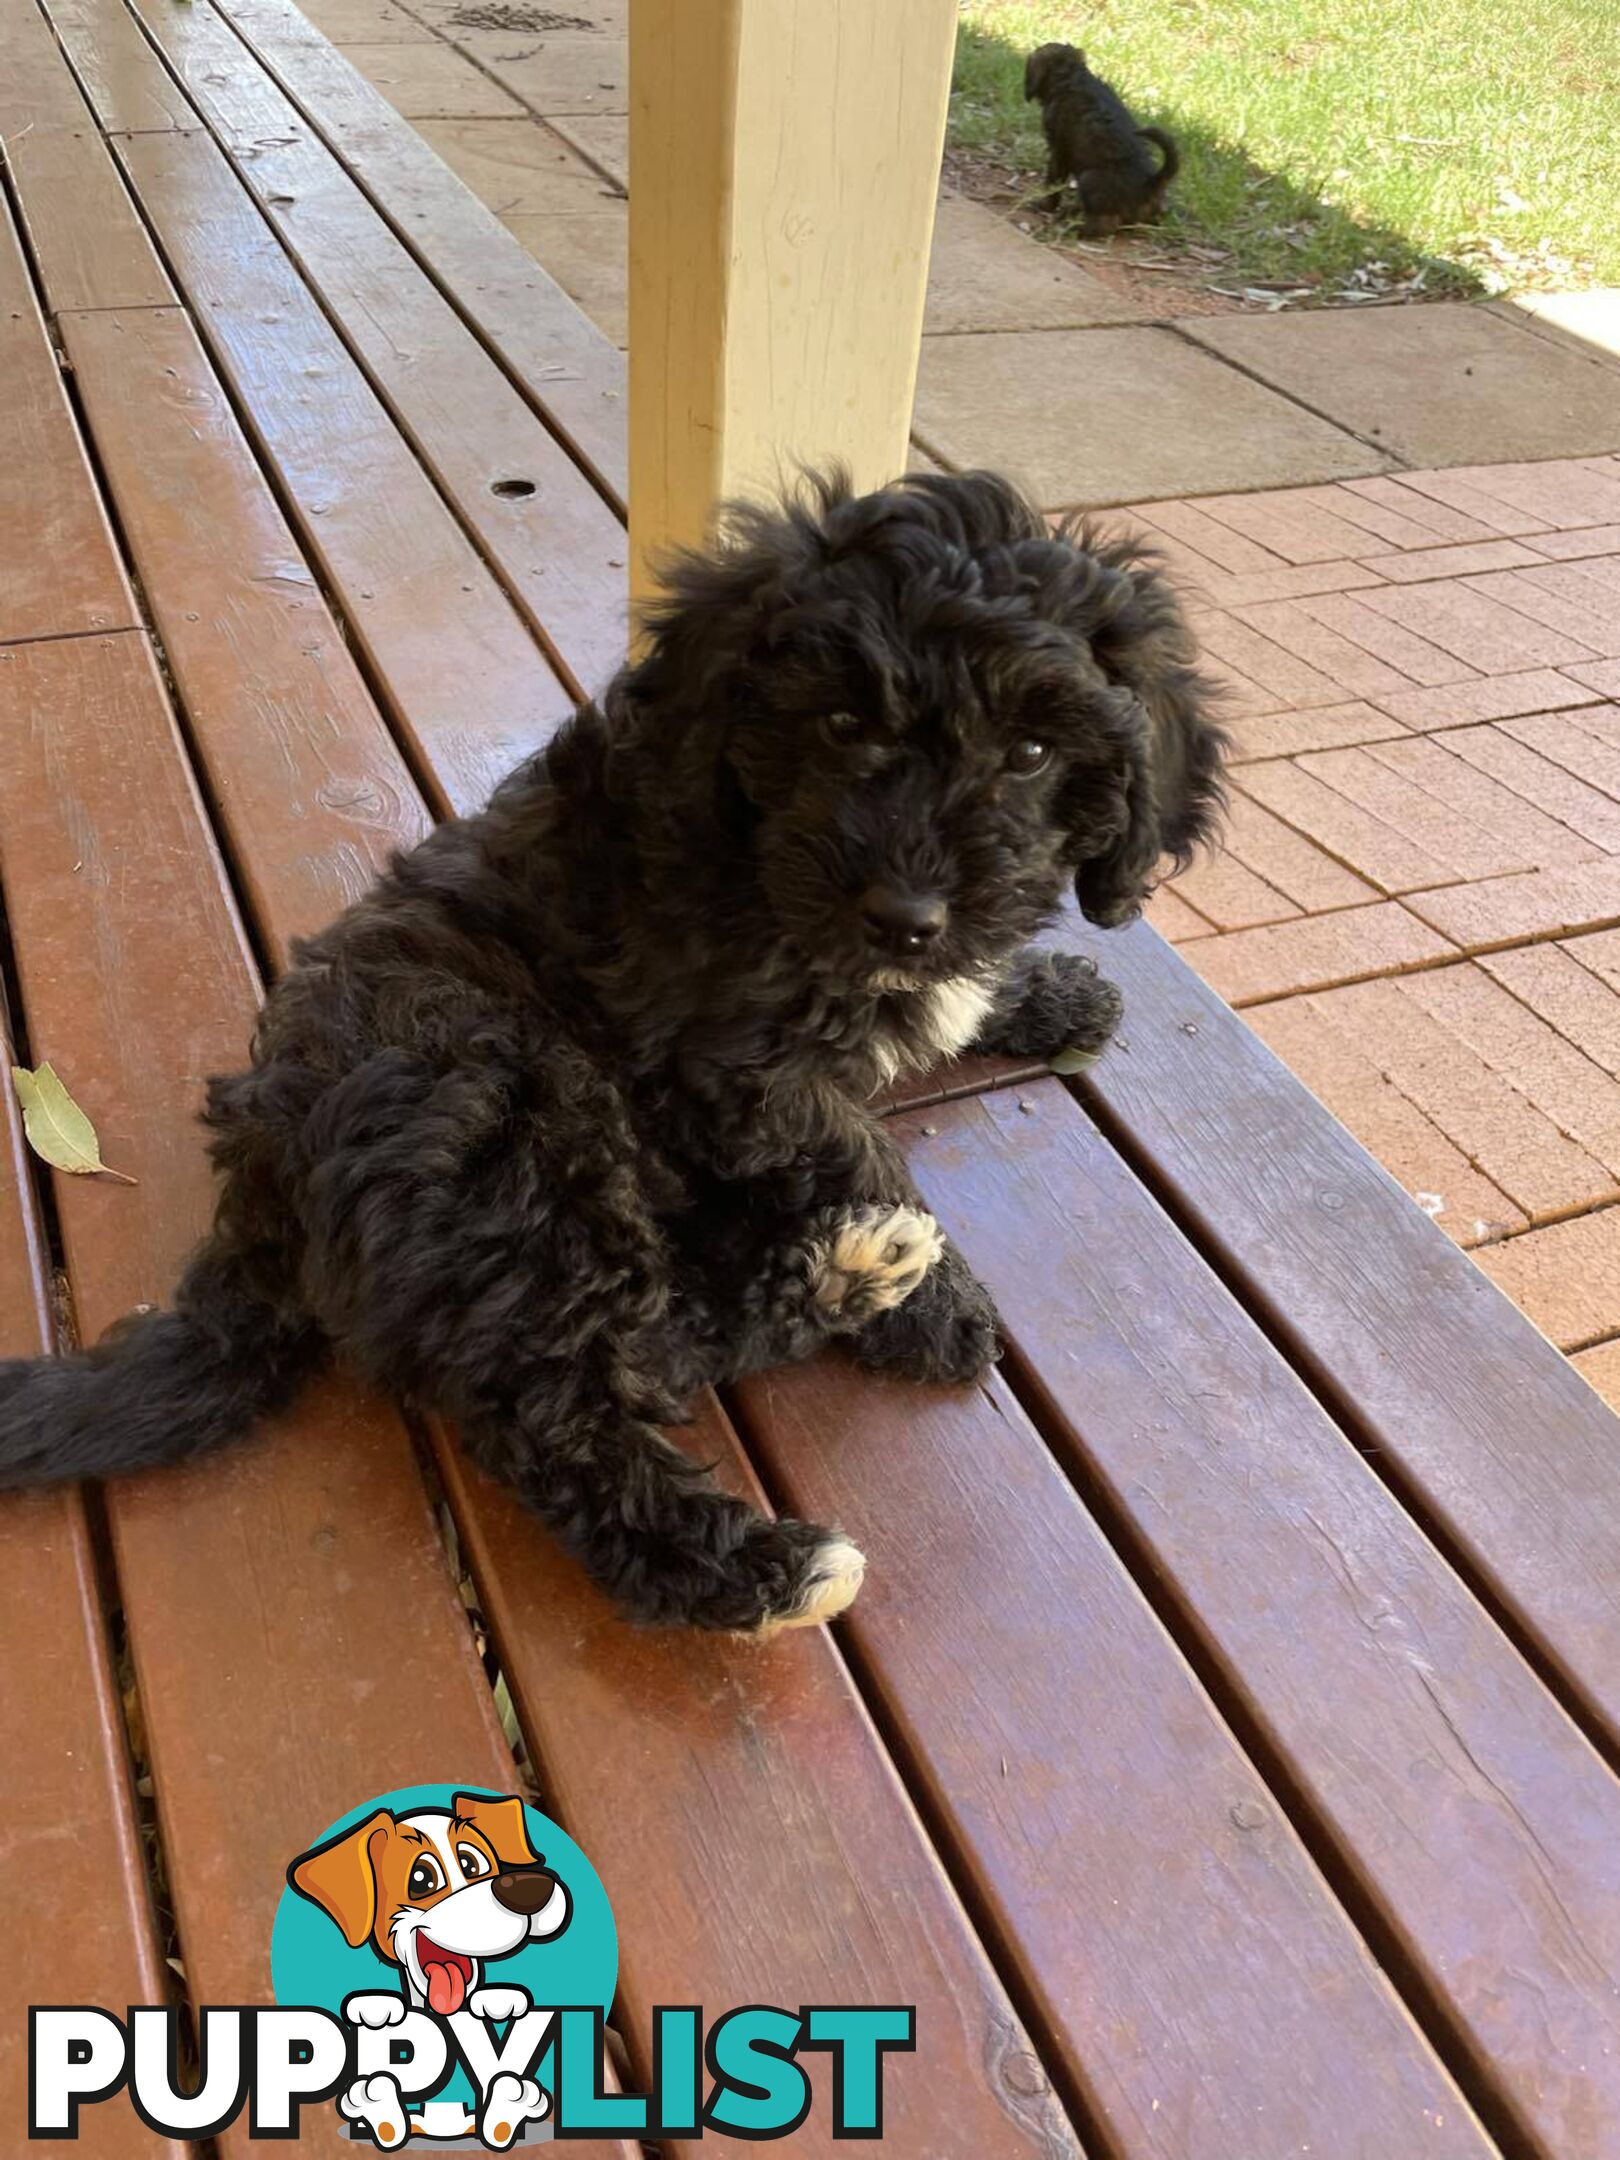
(446, 1974)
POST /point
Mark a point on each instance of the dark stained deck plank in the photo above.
(521, 313)
(468, 705)
(90, 245)
(295, 1590)
(74, 1847)
(1469, 1815)
(1201, 1982)
(752, 1836)
(559, 547)
(278, 712)
(1467, 1407)
(59, 570)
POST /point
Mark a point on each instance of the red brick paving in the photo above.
(1418, 902)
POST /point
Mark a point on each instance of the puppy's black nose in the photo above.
(903, 922)
(524, 1890)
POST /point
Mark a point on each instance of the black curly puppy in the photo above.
(564, 1118)
(1092, 140)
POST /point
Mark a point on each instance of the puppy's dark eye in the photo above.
(841, 727)
(1028, 756)
(473, 1863)
(425, 1878)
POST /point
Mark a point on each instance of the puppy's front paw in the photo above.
(496, 2005)
(375, 2012)
(1065, 1006)
(949, 1331)
(869, 1259)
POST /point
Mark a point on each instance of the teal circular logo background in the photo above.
(311, 1963)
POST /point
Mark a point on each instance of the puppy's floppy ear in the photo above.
(715, 603)
(1166, 794)
(340, 1877)
(501, 1824)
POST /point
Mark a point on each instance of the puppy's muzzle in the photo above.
(524, 1890)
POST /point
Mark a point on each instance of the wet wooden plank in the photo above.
(298, 1639)
(1470, 1410)
(1475, 1823)
(1205, 1989)
(59, 570)
(277, 710)
(752, 1836)
(525, 316)
(469, 705)
(131, 94)
(74, 1847)
(558, 546)
(90, 247)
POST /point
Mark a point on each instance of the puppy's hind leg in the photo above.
(653, 1528)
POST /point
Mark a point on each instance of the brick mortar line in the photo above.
(1301, 833)
(1416, 781)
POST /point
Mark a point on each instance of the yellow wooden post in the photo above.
(784, 159)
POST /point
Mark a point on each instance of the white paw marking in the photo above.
(497, 2004)
(375, 2012)
(508, 2105)
(876, 1258)
(830, 1587)
(379, 2104)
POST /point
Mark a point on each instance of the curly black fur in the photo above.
(1092, 140)
(564, 1118)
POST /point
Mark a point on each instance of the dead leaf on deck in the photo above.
(58, 1130)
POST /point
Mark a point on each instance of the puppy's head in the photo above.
(436, 1892)
(921, 714)
(1050, 66)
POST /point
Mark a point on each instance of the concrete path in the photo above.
(1406, 539)
(1089, 395)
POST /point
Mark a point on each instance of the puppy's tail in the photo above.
(1169, 155)
(159, 1388)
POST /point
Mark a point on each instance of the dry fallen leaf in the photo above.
(57, 1129)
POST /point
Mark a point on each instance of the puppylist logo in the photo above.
(443, 1963)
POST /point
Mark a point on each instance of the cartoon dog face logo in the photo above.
(437, 1894)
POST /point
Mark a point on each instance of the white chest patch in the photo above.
(941, 1019)
(953, 1013)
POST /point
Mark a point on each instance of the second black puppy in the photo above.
(1092, 140)
(565, 1117)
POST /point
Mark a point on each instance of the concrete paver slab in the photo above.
(1435, 385)
(1094, 417)
(603, 138)
(432, 82)
(566, 73)
(985, 275)
(590, 259)
(520, 168)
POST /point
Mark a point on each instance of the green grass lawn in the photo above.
(1477, 141)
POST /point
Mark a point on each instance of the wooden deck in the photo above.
(1222, 1754)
